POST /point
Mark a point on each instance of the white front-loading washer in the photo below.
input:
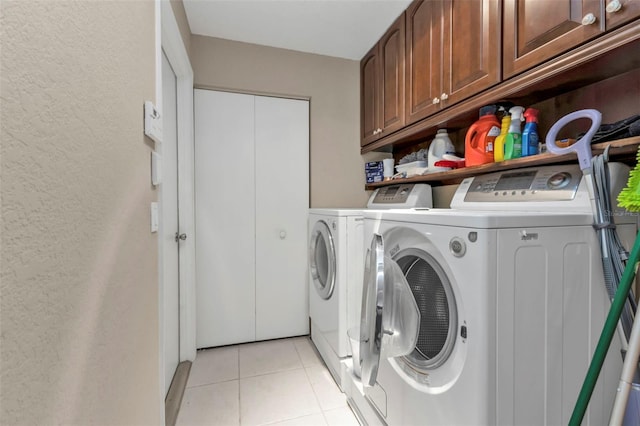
(336, 262)
(509, 303)
(335, 259)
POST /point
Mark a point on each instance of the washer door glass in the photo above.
(322, 259)
(438, 312)
(390, 317)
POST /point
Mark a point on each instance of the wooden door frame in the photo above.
(168, 38)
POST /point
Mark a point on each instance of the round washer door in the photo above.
(390, 318)
(435, 298)
(322, 259)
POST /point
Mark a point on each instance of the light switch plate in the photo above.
(152, 122)
(156, 168)
(154, 217)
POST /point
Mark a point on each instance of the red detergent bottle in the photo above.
(478, 143)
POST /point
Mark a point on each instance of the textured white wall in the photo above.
(333, 85)
(79, 298)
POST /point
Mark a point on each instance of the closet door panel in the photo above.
(225, 218)
(282, 201)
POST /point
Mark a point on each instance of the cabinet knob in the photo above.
(614, 6)
(436, 101)
(588, 19)
(444, 96)
(283, 235)
(180, 237)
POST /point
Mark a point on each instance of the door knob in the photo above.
(283, 235)
(180, 237)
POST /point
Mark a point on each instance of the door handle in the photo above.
(283, 235)
(180, 237)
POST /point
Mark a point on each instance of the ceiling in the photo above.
(340, 28)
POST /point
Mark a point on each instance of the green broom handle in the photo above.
(607, 334)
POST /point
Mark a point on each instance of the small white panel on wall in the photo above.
(152, 122)
(156, 168)
(154, 217)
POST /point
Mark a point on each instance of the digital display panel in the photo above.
(517, 180)
(391, 191)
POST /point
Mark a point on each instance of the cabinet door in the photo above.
(423, 59)
(535, 30)
(224, 218)
(369, 78)
(622, 11)
(471, 48)
(392, 50)
(282, 202)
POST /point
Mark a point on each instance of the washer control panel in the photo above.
(549, 183)
(401, 196)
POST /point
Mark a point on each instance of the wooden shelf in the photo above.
(622, 149)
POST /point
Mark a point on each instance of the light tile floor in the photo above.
(278, 382)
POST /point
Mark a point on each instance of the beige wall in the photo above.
(331, 84)
(79, 302)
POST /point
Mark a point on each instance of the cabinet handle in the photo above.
(436, 101)
(444, 96)
(588, 19)
(614, 6)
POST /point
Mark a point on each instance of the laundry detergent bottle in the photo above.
(530, 133)
(479, 140)
(440, 146)
(513, 141)
(498, 144)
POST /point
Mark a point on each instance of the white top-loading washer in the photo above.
(336, 263)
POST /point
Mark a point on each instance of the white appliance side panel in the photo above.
(225, 218)
(282, 202)
(550, 313)
(355, 272)
(337, 334)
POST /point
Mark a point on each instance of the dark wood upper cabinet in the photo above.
(382, 85)
(453, 52)
(443, 59)
(620, 12)
(369, 88)
(392, 79)
(423, 59)
(471, 33)
(535, 30)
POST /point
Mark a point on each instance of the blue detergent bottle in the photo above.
(530, 140)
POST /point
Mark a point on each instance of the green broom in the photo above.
(628, 198)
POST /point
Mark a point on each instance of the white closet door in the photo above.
(225, 217)
(282, 201)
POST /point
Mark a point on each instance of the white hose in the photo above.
(626, 379)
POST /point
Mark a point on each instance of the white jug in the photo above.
(440, 146)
